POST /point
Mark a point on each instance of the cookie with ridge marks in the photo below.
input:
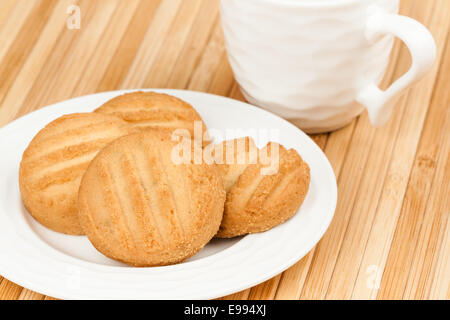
(140, 206)
(264, 187)
(146, 110)
(54, 162)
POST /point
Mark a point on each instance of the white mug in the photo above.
(319, 62)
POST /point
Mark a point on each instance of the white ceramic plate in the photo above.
(69, 267)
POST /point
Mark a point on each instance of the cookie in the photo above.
(54, 162)
(155, 110)
(264, 187)
(235, 156)
(140, 206)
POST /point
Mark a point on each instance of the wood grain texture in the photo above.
(390, 235)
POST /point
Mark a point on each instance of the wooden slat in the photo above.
(69, 56)
(6, 9)
(223, 81)
(167, 56)
(60, 86)
(9, 290)
(30, 295)
(30, 71)
(13, 18)
(413, 214)
(392, 214)
(210, 60)
(109, 42)
(153, 40)
(23, 43)
(199, 37)
(131, 40)
(430, 270)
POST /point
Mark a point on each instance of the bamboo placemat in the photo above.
(390, 235)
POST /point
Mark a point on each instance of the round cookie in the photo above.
(54, 162)
(139, 206)
(263, 191)
(155, 110)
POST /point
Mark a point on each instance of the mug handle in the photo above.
(422, 47)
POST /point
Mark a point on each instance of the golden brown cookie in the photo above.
(235, 156)
(154, 110)
(56, 159)
(138, 206)
(263, 192)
